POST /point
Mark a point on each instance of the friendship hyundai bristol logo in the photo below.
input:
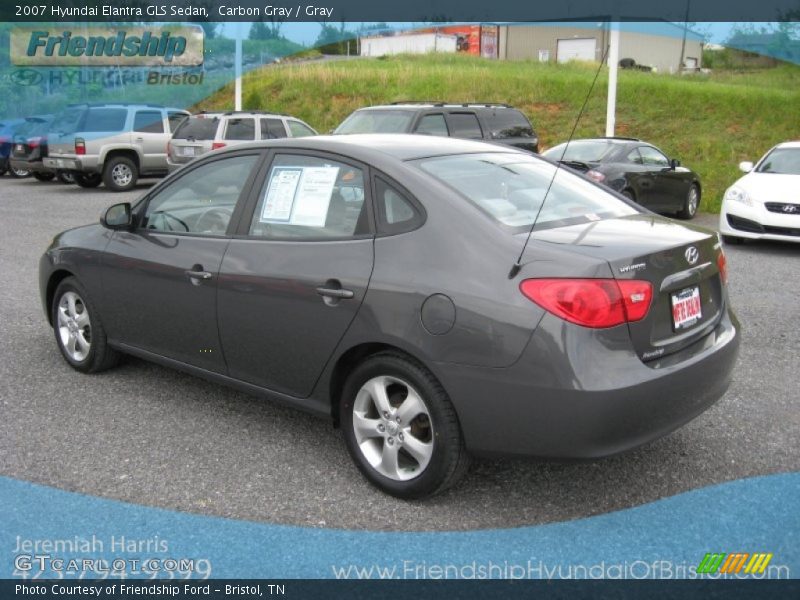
(26, 77)
(691, 255)
(754, 564)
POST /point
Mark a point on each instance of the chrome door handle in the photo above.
(198, 274)
(335, 293)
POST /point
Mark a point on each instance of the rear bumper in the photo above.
(34, 166)
(82, 164)
(574, 394)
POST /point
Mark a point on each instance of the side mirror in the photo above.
(118, 216)
(674, 164)
(746, 166)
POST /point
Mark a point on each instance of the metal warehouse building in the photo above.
(657, 45)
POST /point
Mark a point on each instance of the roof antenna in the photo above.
(518, 265)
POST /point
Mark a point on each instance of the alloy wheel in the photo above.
(121, 174)
(74, 326)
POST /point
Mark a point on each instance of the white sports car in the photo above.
(765, 203)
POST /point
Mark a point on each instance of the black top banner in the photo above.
(425, 11)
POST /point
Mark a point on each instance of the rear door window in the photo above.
(464, 125)
(148, 121)
(396, 213)
(272, 128)
(299, 129)
(240, 129)
(652, 157)
(105, 119)
(432, 125)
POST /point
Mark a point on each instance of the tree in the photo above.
(262, 30)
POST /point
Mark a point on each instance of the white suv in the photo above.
(204, 132)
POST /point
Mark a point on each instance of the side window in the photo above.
(432, 125)
(105, 119)
(396, 213)
(299, 129)
(652, 157)
(507, 123)
(240, 129)
(308, 197)
(202, 201)
(634, 157)
(175, 119)
(464, 125)
(272, 128)
(148, 121)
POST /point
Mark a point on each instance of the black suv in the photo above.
(498, 123)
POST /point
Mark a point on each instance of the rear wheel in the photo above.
(20, 173)
(65, 177)
(120, 174)
(79, 332)
(690, 203)
(401, 428)
(88, 180)
(44, 176)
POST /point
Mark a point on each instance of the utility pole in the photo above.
(613, 66)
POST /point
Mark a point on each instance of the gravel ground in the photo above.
(144, 434)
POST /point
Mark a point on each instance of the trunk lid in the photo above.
(679, 260)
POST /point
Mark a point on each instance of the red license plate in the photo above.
(686, 308)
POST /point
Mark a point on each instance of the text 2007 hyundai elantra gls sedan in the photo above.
(369, 279)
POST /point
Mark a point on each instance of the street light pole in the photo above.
(613, 66)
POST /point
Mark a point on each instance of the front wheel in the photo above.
(79, 332)
(88, 180)
(690, 203)
(401, 428)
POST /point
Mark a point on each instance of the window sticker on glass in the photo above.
(281, 194)
(299, 195)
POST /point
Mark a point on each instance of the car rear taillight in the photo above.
(595, 303)
(722, 265)
(596, 176)
(80, 146)
(217, 145)
(34, 142)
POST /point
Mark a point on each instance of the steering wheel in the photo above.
(214, 220)
(164, 222)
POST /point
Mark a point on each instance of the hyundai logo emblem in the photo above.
(691, 255)
(26, 77)
(789, 208)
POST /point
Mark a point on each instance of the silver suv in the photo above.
(112, 143)
(204, 132)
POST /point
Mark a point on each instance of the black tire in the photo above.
(99, 356)
(88, 180)
(120, 174)
(3, 171)
(65, 177)
(449, 459)
(44, 176)
(733, 240)
(19, 173)
(691, 203)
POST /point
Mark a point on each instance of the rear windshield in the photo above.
(510, 189)
(508, 123)
(197, 129)
(33, 127)
(784, 161)
(377, 121)
(581, 151)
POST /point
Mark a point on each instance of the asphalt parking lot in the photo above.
(144, 434)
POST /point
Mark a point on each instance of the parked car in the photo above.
(367, 279)
(7, 129)
(204, 132)
(30, 147)
(765, 203)
(497, 123)
(635, 169)
(112, 143)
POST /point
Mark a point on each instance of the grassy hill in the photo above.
(709, 122)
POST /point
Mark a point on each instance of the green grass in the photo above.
(709, 122)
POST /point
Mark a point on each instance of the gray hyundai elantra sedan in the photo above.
(435, 298)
